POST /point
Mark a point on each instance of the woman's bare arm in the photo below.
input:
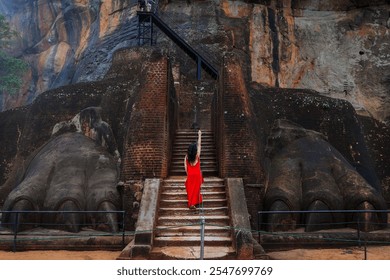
(185, 164)
(199, 142)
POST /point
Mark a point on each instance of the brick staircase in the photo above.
(178, 228)
(208, 152)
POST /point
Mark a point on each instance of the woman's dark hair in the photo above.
(191, 152)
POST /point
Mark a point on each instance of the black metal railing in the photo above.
(148, 16)
(31, 228)
(358, 236)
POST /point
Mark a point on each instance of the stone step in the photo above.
(193, 132)
(203, 168)
(182, 179)
(219, 220)
(203, 164)
(179, 155)
(207, 186)
(205, 136)
(183, 211)
(209, 159)
(207, 203)
(171, 195)
(185, 148)
(183, 143)
(192, 230)
(192, 253)
(161, 241)
(186, 132)
(180, 160)
(204, 157)
(205, 172)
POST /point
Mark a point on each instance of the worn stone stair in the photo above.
(208, 152)
(178, 228)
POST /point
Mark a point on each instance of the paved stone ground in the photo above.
(351, 253)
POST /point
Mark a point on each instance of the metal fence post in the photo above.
(258, 226)
(202, 224)
(358, 231)
(123, 229)
(15, 230)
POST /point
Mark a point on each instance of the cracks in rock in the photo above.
(192, 252)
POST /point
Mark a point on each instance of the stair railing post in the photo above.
(199, 64)
(202, 225)
(151, 30)
(123, 229)
(358, 231)
(16, 222)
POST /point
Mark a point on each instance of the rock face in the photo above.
(66, 42)
(69, 142)
(306, 172)
(76, 170)
(70, 173)
(338, 48)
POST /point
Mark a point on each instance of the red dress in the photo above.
(193, 183)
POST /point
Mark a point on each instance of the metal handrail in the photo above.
(16, 223)
(201, 59)
(259, 223)
(259, 213)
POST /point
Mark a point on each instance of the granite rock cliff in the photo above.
(337, 48)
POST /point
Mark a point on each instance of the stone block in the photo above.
(240, 218)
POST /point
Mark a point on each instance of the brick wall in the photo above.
(239, 148)
(151, 126)
(239, 145)
(195, 99)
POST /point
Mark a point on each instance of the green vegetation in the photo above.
(11, 68)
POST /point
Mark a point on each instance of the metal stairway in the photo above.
(147, 19)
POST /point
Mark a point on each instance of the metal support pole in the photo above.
(365, 246)
(139, 31)
(198, 72)
(258, 227)
(123, 229)
(202, 225)
(15, 230)
(151, 30)
(358, 231)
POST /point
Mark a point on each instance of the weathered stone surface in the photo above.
(11, 126)
(67, 41)
(69, 173)
(74, 171)
(338, 48)
(146, 223)
(306, 173)
(240, 218)
(27, 129)
(334, 118)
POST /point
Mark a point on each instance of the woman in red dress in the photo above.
(194, 174)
